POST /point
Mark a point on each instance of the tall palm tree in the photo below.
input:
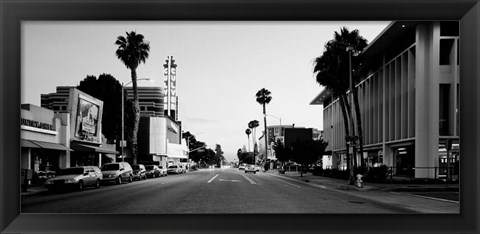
(132, 51)
(263, 98)
(248, 131)
(332, 71)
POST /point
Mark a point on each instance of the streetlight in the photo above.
(122, 143)
(352, 138)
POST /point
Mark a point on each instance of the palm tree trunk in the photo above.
(359, 125)
(352, 129)
(345, 123)
(137, 116)
(265, 131)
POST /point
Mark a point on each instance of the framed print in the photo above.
(81, 121)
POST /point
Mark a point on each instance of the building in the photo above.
(287, 134)
(409, 101)
(53, 140)
(150, 100)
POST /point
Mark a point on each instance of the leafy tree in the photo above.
(332, 71)
(263, 98)
(307, 152)
(282, 152)
(132, 51)
(109, 90)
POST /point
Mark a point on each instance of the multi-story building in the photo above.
(409, 101)
(150, 100)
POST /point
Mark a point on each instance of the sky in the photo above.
(221, 66)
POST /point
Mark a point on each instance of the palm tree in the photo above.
(248, 131)
(263, 98)
(332, 71)
(132, 51)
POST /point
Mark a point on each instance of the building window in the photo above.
(444, 109)
(449, 28)
(446, 47)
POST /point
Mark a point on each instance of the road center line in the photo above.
(285, 182)
(175, 179)
(212, 178)
(249, 180)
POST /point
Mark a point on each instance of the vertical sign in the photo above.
(170, 79)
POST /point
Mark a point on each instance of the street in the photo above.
(207, 191)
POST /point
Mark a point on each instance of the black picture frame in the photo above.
(13, 12)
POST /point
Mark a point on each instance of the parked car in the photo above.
(117, 172)
(174, 169)
(183, 169)
(152, 171)
(163, 171)
(139, 172)
(251, 168)
(242, 166)
(75, 177)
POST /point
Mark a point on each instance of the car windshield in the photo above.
(160, 167)
(110, 167)
(71, 171)
(149, 167)
(172, 167)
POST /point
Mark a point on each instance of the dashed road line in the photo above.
(249, 180)
(212, 179)
(174, 179)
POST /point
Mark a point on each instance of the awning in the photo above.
(43, 145)
(28, 144)
(91, 148)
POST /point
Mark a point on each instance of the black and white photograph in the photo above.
(239, 117)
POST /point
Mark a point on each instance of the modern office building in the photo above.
(150, 100)
(409, 101)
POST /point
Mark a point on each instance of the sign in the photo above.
(36, 124)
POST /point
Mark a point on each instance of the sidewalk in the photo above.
(33, 190)
(367, 186)
(398, 195)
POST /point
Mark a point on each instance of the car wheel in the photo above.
(80, 185)
(119, 180)
(97, 184)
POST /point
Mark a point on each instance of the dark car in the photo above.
(75, 177)
(139, 172)
(117, 172)
(152, 171)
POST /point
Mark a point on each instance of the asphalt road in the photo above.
(206, 191)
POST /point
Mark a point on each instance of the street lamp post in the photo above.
(122, 143)
(352, 138)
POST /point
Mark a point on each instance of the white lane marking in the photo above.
(286, 182)
(229, 180)
(174, 179)
(249, 180)
(212, 178)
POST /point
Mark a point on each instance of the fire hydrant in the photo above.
(359, 181)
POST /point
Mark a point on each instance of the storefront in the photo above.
(44, 144)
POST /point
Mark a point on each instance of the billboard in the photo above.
(86, 116)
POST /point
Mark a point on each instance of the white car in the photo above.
(251, 168)
(242, 166)
(75, 177)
